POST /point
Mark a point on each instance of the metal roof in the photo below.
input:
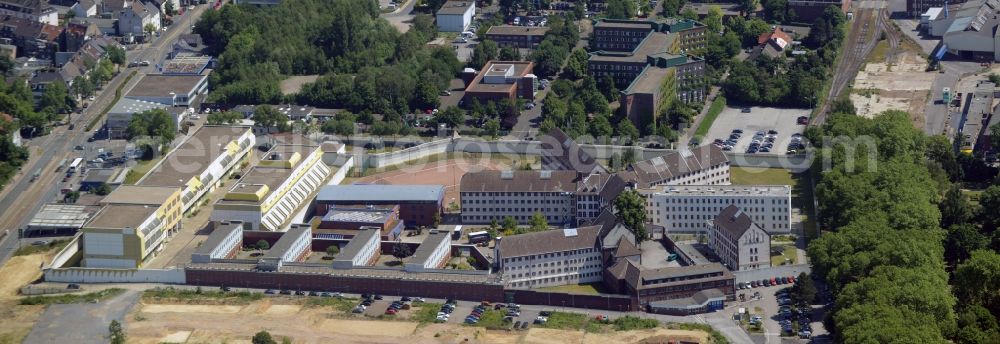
(374, 192)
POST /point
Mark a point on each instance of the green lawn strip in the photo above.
(72, 298)
(566, 321)
(54, 244)
(714, 110)
(188, 295)
(341, 304)
(118, 96)
(425, 312)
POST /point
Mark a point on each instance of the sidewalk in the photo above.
(686, 136)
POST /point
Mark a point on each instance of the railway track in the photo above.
(869, 24)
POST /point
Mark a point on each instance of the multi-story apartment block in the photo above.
(738, 241)
(652, 61)
(273, 191)
(132, 224)
(705, 165)
(551, 258)
(199, 163)
(597, 192)
(691, 208)
(494, 195)
(524, 37)
(499, 81)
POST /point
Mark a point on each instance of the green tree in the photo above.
(494, 228)
(338, 127)
(631, 208)
(332, 250)
(265, 116)
(103, 190)
(509, 224)
(492, 128)
(55, 100)
(116, 54)
(976, 280)
(168, 8)
(962, 240)
(452, 116)
(116, 333)
(263, 337)
(620, 9)
(627, 132)
(995, 137)
(538, 222)
(600, 127)
(262, 245)
(483, 52)
(713, 19)
(436, 219)
(82, 86)
(149, 29)
(955, 207)
(989, 202)
(155, 123)
(401, 250)
(226, 117)
(576, 66)
(615, 162)
(508, 53)
(804, 289)
(749, 6)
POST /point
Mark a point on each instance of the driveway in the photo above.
(82, 322)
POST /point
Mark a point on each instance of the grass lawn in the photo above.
(788, 251)
(199, 295)
(425, 312)
(71, 298)
(140, 169)
(491, 319)
(32, 249)
(566, 321)
(713, 112)
(802, 192)
(582, 289)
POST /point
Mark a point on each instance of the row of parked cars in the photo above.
(296, 292)
(765, 282)
(789, 314)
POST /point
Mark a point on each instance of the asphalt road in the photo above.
(81, 322)
(23, 197)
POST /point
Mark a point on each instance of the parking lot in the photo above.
(768, 309)
(783, 121)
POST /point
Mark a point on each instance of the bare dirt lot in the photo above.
(444, 172)
(294, 83)
(326, 325)
(900, 84)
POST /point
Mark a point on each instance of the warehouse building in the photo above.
(969, 31)
(57, 218)
(267, 196)
(691, 208)
(418, 204)
(199, 164)
(169, 90)
(225, 242)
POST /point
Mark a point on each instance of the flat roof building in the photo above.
(455, 16)
(132, 224)
(691, 208)
(524, 37)
(59, 218)
(293, 246)
(200, 162)
(343, 222)
(363, 250)
(224, 243)
(121, 114)
(267, 196)
(170, 90)
(418, 204)
(433, 253)
(499, 80)
(977, 115)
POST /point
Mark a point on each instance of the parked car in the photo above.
(390, 311)
(285, 292)
(378, 297)
(745, 110)
(269, 292)
(313, 293)
(358, 310)
(73, 286)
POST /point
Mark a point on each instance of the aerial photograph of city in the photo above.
(500, 171)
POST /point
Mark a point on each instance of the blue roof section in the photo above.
(941, 52)
(379, 192)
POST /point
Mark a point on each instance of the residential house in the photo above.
(32, 38)
(85, 8)
(134, 19)
(38, 11)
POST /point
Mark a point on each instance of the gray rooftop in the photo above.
(455, 7)
(60, 216)
(374, 193)
(698, 300)
(357, 243)
(554, 240)
(128, 105)
(221, 232)
(287, 240)
(428, 246)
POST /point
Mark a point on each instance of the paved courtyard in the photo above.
(759, 118)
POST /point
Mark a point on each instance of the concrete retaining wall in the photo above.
(66, 254)
(98, 275)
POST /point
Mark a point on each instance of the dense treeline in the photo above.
(345, 41)
(887, 195)
(794, 82)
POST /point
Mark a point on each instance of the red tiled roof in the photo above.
(777, 33)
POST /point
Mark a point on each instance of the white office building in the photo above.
(494, 195)
(690, 208)
(551, 258)
(456, 16)
(739, 242)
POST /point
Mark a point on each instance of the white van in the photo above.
(468, 34)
